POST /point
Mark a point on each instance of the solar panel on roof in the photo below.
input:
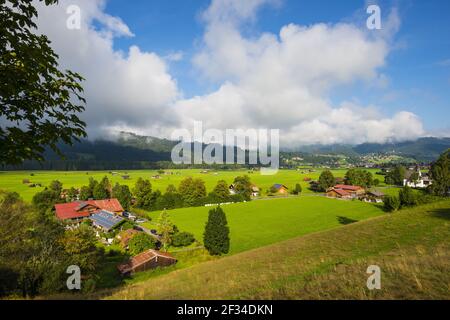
(106, 220)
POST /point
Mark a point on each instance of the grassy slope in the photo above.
(12, 181)
(412, 248)
(263, 222)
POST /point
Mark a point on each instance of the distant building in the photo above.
(280, 189)
(373, 196)
(423, 179)
(255, 191)
(147, 260)
(345, 191)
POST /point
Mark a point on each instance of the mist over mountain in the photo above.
(131, 151)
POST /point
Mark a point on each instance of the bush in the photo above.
(407, 197)
(140, 243)
(182, 239)
(391, 203)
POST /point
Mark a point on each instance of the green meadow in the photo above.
(13, 180)
(411, 247)
(263, 222)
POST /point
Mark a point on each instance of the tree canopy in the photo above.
(39, 103)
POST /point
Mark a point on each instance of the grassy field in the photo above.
(12, 180)
(263, 222)
(412, 248)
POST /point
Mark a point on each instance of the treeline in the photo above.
(353, 177)
(190, 193)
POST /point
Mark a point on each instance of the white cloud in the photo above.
(266, 81)
(124, 89)
(283, 81)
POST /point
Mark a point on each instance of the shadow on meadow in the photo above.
(345, 220)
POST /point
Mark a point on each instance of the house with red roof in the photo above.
(79, 210)
(343, 191)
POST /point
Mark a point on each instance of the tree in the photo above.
(140, 243)
(80, 245)
(216, 237)
(396, 176)
(391, 203)
(85, 193)
(45, 200)
(39, 102)
(100, 193)
(298, 189)
(56, 186)
(357, 177)
(166, 230)
(171, 199)
(326, 180)
(243, 186)
(440, 173)
(143, 193)
(221, 192)
(407, 197)
(123, 194)
(376, 182)
(192, 191)
(72, 194)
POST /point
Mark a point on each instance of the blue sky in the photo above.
(418, 70)
(309, 68)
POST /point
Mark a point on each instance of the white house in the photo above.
(423, 180)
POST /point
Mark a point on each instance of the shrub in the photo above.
(407, 197)
(140, 243)
(391, 203)
(182, 239)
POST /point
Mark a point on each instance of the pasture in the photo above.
(411, 247)
(13, 180)
(263, 222)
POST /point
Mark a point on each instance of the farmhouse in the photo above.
(105, 220)
(279, 189)
(255, 191)
(79, 210)
(414, 178)
(373, 196)
(147, 260)
(345, 192)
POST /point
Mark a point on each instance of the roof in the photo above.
(142, 258)
(79, 209)
(67, 211)
(106, 219)
(347, 187)
(340, 192)
(279, 186)
(112, 205)
(377, 193)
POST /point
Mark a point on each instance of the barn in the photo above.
(150, 259)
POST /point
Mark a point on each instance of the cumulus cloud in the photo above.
(124, 90)
(280, 81)
(283, 80)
